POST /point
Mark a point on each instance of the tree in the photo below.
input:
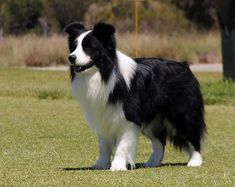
(154, 16)
(1, 19)
(65, 12)
(200, 12)
(20, 16)
(226, 14)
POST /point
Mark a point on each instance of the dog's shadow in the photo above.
(137, 166)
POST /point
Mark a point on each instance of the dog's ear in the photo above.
(103, 31)
(74, 28)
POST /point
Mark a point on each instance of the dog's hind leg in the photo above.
(195, 139)
(126, 147)
(105, 155)
(195, 158)
(190, 127)
(157, 155)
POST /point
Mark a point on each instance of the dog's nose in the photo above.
(72, 59)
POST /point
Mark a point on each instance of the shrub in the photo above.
(154, 16)
(20, 16)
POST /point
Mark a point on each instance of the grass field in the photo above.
(44, 140)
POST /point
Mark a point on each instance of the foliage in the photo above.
(43, 16)
(226, 12)
(153, 15)
(200, 12)
(20, 16)
(65, 11)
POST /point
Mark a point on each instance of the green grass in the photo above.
(44, 139)
(215, 90)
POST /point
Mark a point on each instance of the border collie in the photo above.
(123, 97)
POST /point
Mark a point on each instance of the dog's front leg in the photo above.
(105, 155)
(126, 147)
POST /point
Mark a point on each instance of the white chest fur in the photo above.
(92, 95)
(115, 133)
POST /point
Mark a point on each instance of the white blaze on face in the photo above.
(81, 57)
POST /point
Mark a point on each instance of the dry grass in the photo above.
(192, 47)
(32, 50)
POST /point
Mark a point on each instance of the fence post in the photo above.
(136, 27)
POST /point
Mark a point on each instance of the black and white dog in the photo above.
(122, 97)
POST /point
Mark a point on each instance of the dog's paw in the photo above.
(195, 161)
(118, 164)
(150, 164)
(118, 168)
(101, 165)
(153, 161)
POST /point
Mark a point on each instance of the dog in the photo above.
(122, 97)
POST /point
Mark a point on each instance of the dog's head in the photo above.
(87, 47)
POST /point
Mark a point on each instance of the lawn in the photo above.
(45, 140)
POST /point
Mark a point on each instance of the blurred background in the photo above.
(31, 31)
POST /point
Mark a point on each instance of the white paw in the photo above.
(196, 160)
(118, 164)
(118, 168)
(101, 165)
(194, 163)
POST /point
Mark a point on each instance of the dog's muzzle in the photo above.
(78, 69)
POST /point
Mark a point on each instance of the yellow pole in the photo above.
(136, 19)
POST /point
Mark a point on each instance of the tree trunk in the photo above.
(228, 53)
(226, 14)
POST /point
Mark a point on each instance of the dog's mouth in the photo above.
(78, 69)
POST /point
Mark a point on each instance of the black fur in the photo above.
(100, 44)
(161, 90)
(167, 89)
